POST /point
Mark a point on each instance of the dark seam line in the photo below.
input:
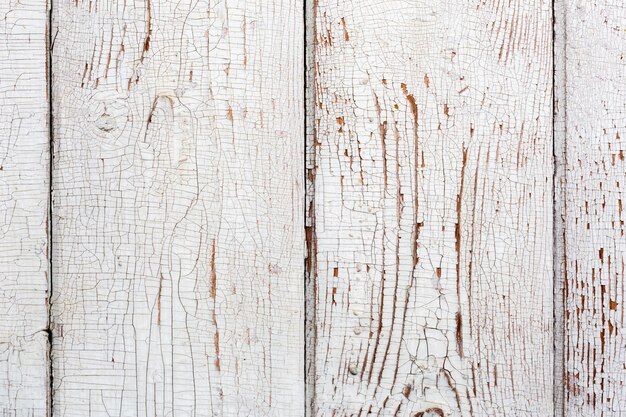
(305, 288)
(50, 324)
(558, 153)
(554, 214)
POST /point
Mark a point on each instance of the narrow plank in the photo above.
(433, 208)
(24, 191)
(592, 113)
(178, 208)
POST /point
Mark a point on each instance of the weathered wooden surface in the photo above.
(432, 246)
(178, 208)
(592, 245)
(445, 229)
(24, 191)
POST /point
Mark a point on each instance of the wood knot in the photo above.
(106, 123)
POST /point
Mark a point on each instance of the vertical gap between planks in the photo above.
(309, 213)
(49, 45)
(555, 258)
(304, 205)
(559, 115)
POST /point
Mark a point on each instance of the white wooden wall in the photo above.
(312, 207)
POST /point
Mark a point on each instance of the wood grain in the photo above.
(459, 260)
(591, 78)
(24, 196)
(432, 243)
(178, 208)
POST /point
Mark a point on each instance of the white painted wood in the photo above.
(178, 208)
(24, 190)
(433, 280)
(592, 81)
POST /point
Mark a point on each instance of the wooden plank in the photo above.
(178, 203)
(24, 191)
(433, 208)
(592, 79)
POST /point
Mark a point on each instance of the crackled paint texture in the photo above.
(24, 208)
(433, 208)
(178, 208)
(591, 129)
(402, 208)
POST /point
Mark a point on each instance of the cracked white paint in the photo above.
(180, 214)
(178, 208)
(433, 175)
(591, 130)
(24, 191)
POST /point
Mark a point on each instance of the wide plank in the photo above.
(178, 208)
(431, 230)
